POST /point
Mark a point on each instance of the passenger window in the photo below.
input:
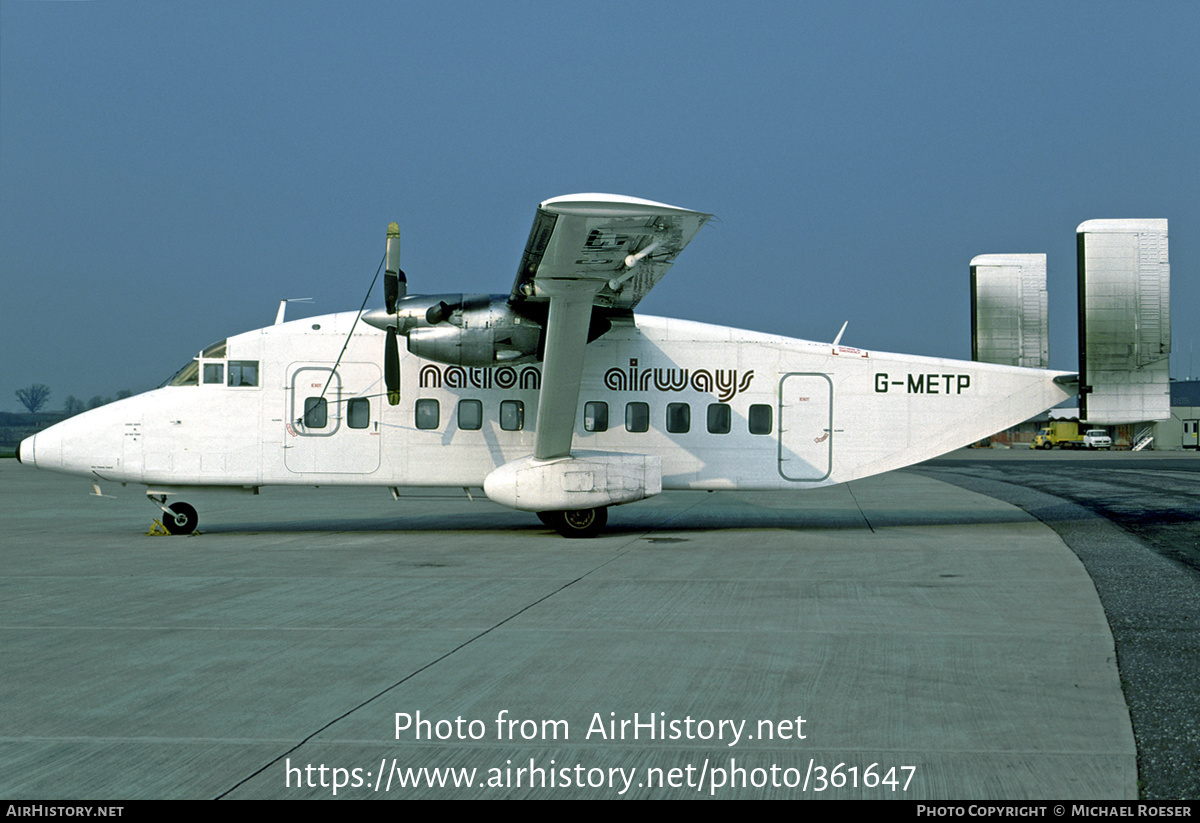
(470, 415)
(595, 417)
(637, 417)
(760, 419)
(316, 413)
(512, 415)
(214, 373)
(720, 418)
(358, 411)
(679, 418)
(243, 373)
(429, 414)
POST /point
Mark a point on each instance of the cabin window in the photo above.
(214, 352)
(214, 373)
(595, 417)
(720, 418)
(637, 417)
(316, 413)
(512, 415)
(358, 411)
(429, 414)
(243, 373)
(760, 419)
(470, 415)
(679, 418)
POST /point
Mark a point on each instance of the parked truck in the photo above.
(1065, 434)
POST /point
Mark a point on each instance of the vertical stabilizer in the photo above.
(1124, 321)
(1009, 320)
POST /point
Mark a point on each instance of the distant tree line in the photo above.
(36, 396)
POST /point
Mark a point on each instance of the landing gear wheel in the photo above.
(180, 518)
(577, 522)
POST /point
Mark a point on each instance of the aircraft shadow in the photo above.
(631, 522)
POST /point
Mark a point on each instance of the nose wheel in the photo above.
(180, 518)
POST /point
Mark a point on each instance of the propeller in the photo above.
(395, 286)
(391, 366)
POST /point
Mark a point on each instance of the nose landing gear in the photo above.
(178, 518)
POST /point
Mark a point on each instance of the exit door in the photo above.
(333, 418)
(805, 426)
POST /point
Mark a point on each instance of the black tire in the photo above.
(547, 518)
(180, 518)
(577, 523)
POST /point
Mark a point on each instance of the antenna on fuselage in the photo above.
(283, 306)
(838, 339)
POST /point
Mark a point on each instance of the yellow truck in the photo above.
(1065, 434)
(1062, 434)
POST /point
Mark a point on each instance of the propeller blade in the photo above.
(391, 366)
(395, 284)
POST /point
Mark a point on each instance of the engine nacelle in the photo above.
(585, 480)
(469, 330)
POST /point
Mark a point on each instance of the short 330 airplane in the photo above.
(554, 398)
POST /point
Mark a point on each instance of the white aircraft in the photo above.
(555, 398)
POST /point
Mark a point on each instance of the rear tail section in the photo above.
(1124, 321)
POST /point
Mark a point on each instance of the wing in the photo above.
(620, 245)
(590, 250)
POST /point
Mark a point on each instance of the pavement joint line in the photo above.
(850, 489)
(629, 546)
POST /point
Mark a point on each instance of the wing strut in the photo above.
(562, 369)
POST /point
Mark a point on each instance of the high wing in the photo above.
(589, 250)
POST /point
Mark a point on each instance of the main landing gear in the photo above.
(576, 522)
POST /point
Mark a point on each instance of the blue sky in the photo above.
(169, 171)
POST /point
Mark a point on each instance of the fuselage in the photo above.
(722, 408)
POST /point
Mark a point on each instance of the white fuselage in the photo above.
(722, 409)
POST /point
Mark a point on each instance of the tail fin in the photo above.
(1124, 321)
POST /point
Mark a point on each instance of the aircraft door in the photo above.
(333, 428)
(805, 426)
(1191, 434)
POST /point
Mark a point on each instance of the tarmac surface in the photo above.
(937, 642)
(1134, 521)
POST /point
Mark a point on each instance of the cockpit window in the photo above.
(189, 375)
(243, 372)
(214, 373)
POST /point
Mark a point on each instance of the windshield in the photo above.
(189, 375)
